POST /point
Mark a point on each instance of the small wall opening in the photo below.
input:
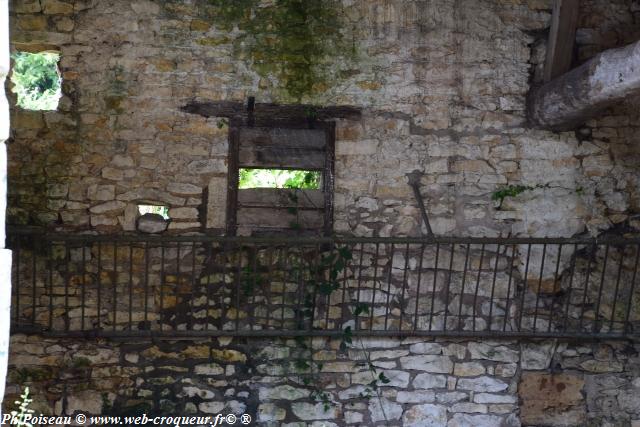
(280, 178)
(36, 80)
(154, 209)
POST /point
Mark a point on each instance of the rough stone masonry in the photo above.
(442, 86)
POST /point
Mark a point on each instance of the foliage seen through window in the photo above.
(36, 80)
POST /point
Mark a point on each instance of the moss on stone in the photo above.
(299, 42)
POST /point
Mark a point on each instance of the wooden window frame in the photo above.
(234, 165)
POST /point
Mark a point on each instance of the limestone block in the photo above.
(151, 223)
(309, 411)
(429, 381)
(270, 412)
(183, 213)
(384, 410)
(551, 399)
(416, 396)
(425, 416)
(284, 392)
(482, 384)
(86, 402)
(217, 202)
(101, 192)
(53, 7)
(113, 206)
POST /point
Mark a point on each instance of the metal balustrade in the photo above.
(193, 286)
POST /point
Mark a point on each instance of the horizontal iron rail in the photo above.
(132, 286)
(201, 238)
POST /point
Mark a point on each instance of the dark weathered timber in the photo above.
(582, 93)
(562, 38)
(262, 112)
(281, 158)
(233, 178)
(280, 198)
(282, 137)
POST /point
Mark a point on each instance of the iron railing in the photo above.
(178, 286)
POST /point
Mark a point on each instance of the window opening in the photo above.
(36, 80)
(280, 178)
(154, 209)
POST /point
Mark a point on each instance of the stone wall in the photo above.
(442, 84)
(439, 383)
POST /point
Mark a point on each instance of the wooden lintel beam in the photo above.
(571, 99)
(562, 38)
(238, 110)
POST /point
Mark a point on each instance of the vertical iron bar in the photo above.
(420, 265)
(493, 288)
(66, 286)
(270, 250)
(375, 284)
(555, 280)
(99, 284)
(34, 269)
(238, 280)
(631, 289)
(331, 280)
(615, 293)
(507, 306)
(446, 298)
(146, 286)
(569, 292)
(162, 285)
(433, 290)
(193, 287)
(524, 287)
(130, 286)
(115, 282)
(208, 271)
(17, 282)
(84, 286)
(586, 284)
(357, 320)
(535, 311)
(475, 294)
(316, 275)
(404, 285)
(49, 266)
(254, 279)
(344, 290)
(386, 313)
(464, 280)
(604, 270)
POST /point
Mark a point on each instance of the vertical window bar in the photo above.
(269, 252)
(49, 265)
(333, 280)
(238, 280)
(17, 283)
(208, 271)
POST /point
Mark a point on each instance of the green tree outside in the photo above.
(36, 80)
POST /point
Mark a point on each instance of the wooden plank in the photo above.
(280, 218)
(281, 157)
(233, 177)
(295, 138)
(584, 92)
(280, 198)
(329, 178)
(304, 113)
(562, 38)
